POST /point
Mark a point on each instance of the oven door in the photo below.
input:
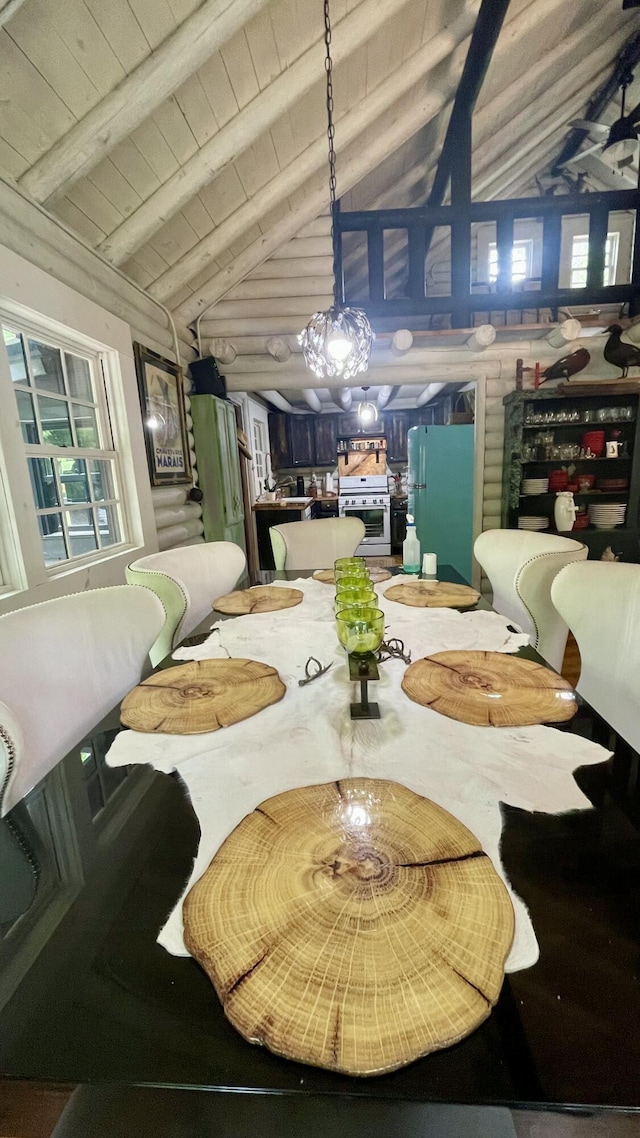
(376, 522)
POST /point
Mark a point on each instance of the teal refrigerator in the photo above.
(440, 492)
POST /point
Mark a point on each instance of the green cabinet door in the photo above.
(218, 465)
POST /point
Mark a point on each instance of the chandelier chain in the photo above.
(331, 134)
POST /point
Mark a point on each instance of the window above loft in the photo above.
(580, 259)
(521, 261)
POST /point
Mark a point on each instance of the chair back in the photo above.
(187, 580)
(315, 544)
(600, 601)
(63, 665)
(521, 567)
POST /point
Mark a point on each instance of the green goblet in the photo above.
(360, 629)
(346, 598)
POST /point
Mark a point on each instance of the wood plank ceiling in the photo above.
(185, 140)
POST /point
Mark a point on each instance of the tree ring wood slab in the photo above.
(433, 594)
(201, 696)
(489, 689)
(328, 577)
(262, 598)
(354, 926)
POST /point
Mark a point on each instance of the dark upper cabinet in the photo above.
(301, 440)
(325, 429)
(397, 425)
(279, 440)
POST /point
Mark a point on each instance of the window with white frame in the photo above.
(521, 261)
(68, 446)
(580, 259)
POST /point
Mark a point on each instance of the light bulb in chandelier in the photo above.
(367, 411)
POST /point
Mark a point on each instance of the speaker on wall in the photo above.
(207, 378)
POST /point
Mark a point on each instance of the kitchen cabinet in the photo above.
(397, 424)
(279, 440)
(325, 429)
(216, 443)
(543, 432)
(301, 440)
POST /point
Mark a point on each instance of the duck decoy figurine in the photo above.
(620, 353)
(567, 366)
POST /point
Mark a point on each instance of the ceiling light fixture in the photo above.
(367, 411)
(336, 342)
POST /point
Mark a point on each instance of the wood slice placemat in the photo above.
(354, 926)
(490, 689)
(433, 594)
(328, 577)
(262, 598)
(201, 696)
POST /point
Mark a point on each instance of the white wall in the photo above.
(45, 242)
(23, 285)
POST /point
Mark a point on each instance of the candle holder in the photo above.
(363, 669)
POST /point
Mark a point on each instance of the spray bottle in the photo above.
(411, 548)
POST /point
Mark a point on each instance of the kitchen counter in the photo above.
(297, 504)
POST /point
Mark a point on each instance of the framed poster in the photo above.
(163, 417)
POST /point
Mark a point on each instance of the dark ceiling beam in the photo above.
(628, 59)
(456, 149)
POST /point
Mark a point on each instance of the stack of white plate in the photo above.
(535, 485)
(532, 522)
(607, 515)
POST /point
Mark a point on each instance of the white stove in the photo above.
(367, 497)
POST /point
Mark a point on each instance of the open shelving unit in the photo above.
(521, 406)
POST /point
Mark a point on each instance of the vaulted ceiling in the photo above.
(185, 140)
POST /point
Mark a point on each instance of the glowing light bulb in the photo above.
(338, 345)
(366, 414)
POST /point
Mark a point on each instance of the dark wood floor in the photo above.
(32, 1110)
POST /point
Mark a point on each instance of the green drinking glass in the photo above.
(348, 562)
(360, 629)
(353, 582)
(352, 571)
(346, 598)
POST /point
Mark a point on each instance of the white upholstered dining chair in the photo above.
(521, 567)
(600, 601)
(315, 544)
(187, 580)
(63, 665)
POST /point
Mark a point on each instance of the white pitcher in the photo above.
(564, 511)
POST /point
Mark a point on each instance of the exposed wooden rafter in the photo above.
(355, 164)
(9, 9)
(455, 158)
(144, 89)
(244, 128)
(314, 158)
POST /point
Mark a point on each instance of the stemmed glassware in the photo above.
(360, 629)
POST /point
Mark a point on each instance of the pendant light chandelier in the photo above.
(367, 411)
(336, 342)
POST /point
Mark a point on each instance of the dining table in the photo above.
(104, 1007)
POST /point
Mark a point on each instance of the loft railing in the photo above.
(462, 301)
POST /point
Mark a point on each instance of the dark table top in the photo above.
(104, 1003)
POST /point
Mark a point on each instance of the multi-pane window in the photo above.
(521, 258)
(68, 445)
(580, 259)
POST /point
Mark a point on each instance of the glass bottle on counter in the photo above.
(411, 548)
